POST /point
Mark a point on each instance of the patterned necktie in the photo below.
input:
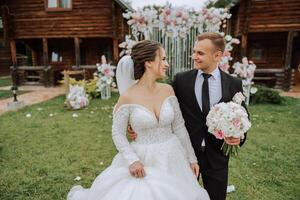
(205, 95)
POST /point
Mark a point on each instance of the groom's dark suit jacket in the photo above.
(184, 87)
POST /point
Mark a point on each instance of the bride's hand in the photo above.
(195, 168)
(137, 169)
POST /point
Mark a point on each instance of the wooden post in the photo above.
(77, 51)
(289, 48)
(287, 61)
(46, 61)
(115, 50)
(45, 53)
(34, 57)
(114, 24)
(244, 45)
(245, 29)
(115, 34)
(13, 51)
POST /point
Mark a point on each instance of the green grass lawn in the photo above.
(4, 94)
(5, 81)
(41, 155)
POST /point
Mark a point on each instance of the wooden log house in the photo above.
(269, 31)
(41, 38)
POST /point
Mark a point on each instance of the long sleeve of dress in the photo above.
(181, 132)
(119, 130)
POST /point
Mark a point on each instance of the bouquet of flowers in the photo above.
(229, 120)
(77, 98)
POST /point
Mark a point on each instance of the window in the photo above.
(257, 52)
(58, 5)
(56, 57)
(2, 44)
(1, 23)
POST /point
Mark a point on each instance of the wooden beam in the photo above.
(45, 53)
(244, 45)
(13, 51)
(248, 12)
(289, 48)
(115, 50)
(114, 23)
(46, 62)
(77, 51)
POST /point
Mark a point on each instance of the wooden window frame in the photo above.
(59, 55)
(1, 22)
(263, 58)
(57, 9)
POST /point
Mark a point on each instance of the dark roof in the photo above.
(124, 5)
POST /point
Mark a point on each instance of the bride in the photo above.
(160, 164)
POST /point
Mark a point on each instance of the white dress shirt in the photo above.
(214, 87)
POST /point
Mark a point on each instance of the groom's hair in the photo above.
(216, 38)
(141, 52)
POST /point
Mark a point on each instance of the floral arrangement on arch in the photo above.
(127, 45)
(175, 21)
(224, 63)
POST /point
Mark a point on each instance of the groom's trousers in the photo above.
(214, 180)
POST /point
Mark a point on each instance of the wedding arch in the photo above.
(176, 28)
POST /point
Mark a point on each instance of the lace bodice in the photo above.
(148, 128)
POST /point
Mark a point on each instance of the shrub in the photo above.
(266, 95)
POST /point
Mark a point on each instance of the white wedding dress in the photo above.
(162, 145)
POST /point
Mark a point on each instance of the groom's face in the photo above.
(204, 55)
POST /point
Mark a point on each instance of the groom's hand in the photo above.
(232, 140)
(195, 168)
(131, 133)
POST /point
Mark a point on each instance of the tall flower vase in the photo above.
(246, 89)
(105, 92)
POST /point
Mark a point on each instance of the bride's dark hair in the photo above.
(141, 52)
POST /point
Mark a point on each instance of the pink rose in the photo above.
(219, 134)
(216, 109)
(168, 11)
(178, 14)
(236, 122)
(106, 71)
(82, 103)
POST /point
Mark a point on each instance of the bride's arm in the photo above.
(178, 127)
(119, 130)
(121, 116)
(181, 132)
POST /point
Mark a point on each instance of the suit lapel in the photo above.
(191, 87)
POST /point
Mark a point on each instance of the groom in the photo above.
(197, 91)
